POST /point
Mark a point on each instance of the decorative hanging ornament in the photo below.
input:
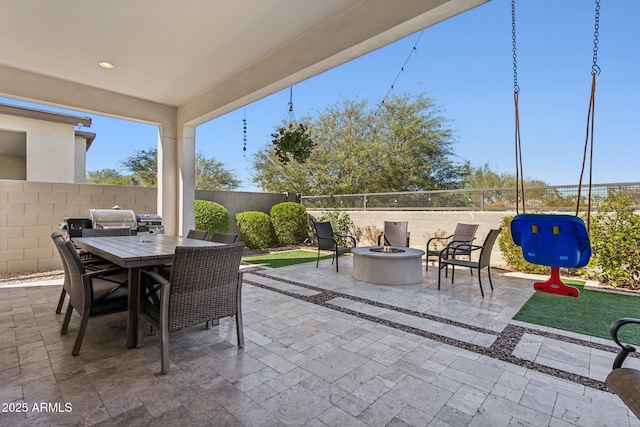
(293, 140)
(244, 133)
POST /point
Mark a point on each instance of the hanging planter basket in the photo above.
(292, 142)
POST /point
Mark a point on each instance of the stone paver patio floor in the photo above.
(322, 349)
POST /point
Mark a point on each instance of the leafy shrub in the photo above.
(254, 228)
(370, 235)
(211, 216)
(341, 223)
(615, 244)
(438, 245)
(289, 222)
(513, 254)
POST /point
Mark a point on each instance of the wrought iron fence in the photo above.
(551, 198)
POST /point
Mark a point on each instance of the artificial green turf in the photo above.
(591, 313)
(284, 258)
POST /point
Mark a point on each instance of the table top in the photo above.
(137, 251)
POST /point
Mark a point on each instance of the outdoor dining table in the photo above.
(134, 253)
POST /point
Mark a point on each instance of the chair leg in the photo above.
(80, 337)
(453, 272)
(439, 273)
(210, 323)
(67, 318)
(61, 301)
(489, 274)
(140, 342)
(336, 262)
(164, 348)
(318, 260)
(480, 282)
(240, 329)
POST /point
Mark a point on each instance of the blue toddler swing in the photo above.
(557, 241)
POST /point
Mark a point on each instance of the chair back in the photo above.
(74, 271)
(197, 234)
(324, 233)
(395, 233)
(56, 239)
(463, 234)
(106, 232)
(487, 247)
(204, 284)
(227, 238)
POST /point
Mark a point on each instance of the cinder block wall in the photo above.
(424, 224)
(31, 211)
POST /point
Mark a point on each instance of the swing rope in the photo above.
(588, 143)
(516, 92)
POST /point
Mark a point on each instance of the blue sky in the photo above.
(465, 65)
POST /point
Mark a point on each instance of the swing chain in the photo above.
(290, 99)
(516, 88)
(596, 33)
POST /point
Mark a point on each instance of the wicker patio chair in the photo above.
(227, 238)
(205, 285)
(395, 234)
(197, 234)
(449, 259)
(90, 294)
(464, 234)
(329, 241)
(91, 262)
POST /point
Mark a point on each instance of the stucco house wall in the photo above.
(53, 151)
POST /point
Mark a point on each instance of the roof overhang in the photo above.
(194, 58)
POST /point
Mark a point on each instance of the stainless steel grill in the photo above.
(151, 223)
(112, 218)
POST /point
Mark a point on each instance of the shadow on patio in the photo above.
(321, 350)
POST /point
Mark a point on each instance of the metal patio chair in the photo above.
(464, 234)
(329, 241)
(395, 234)
(449, 258)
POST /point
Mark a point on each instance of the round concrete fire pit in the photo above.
(387, 265)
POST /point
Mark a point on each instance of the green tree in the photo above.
(143, 168)
(212, 175)
(404, 146)
(108, 177)
(536, 196)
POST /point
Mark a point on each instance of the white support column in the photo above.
(186, 145)
(168, 196)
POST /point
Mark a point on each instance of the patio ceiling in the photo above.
(178, 64)
(204, 56)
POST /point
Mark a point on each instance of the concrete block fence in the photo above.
(425, 224)
(31, 211)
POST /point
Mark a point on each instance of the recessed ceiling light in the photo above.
(105, 64)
